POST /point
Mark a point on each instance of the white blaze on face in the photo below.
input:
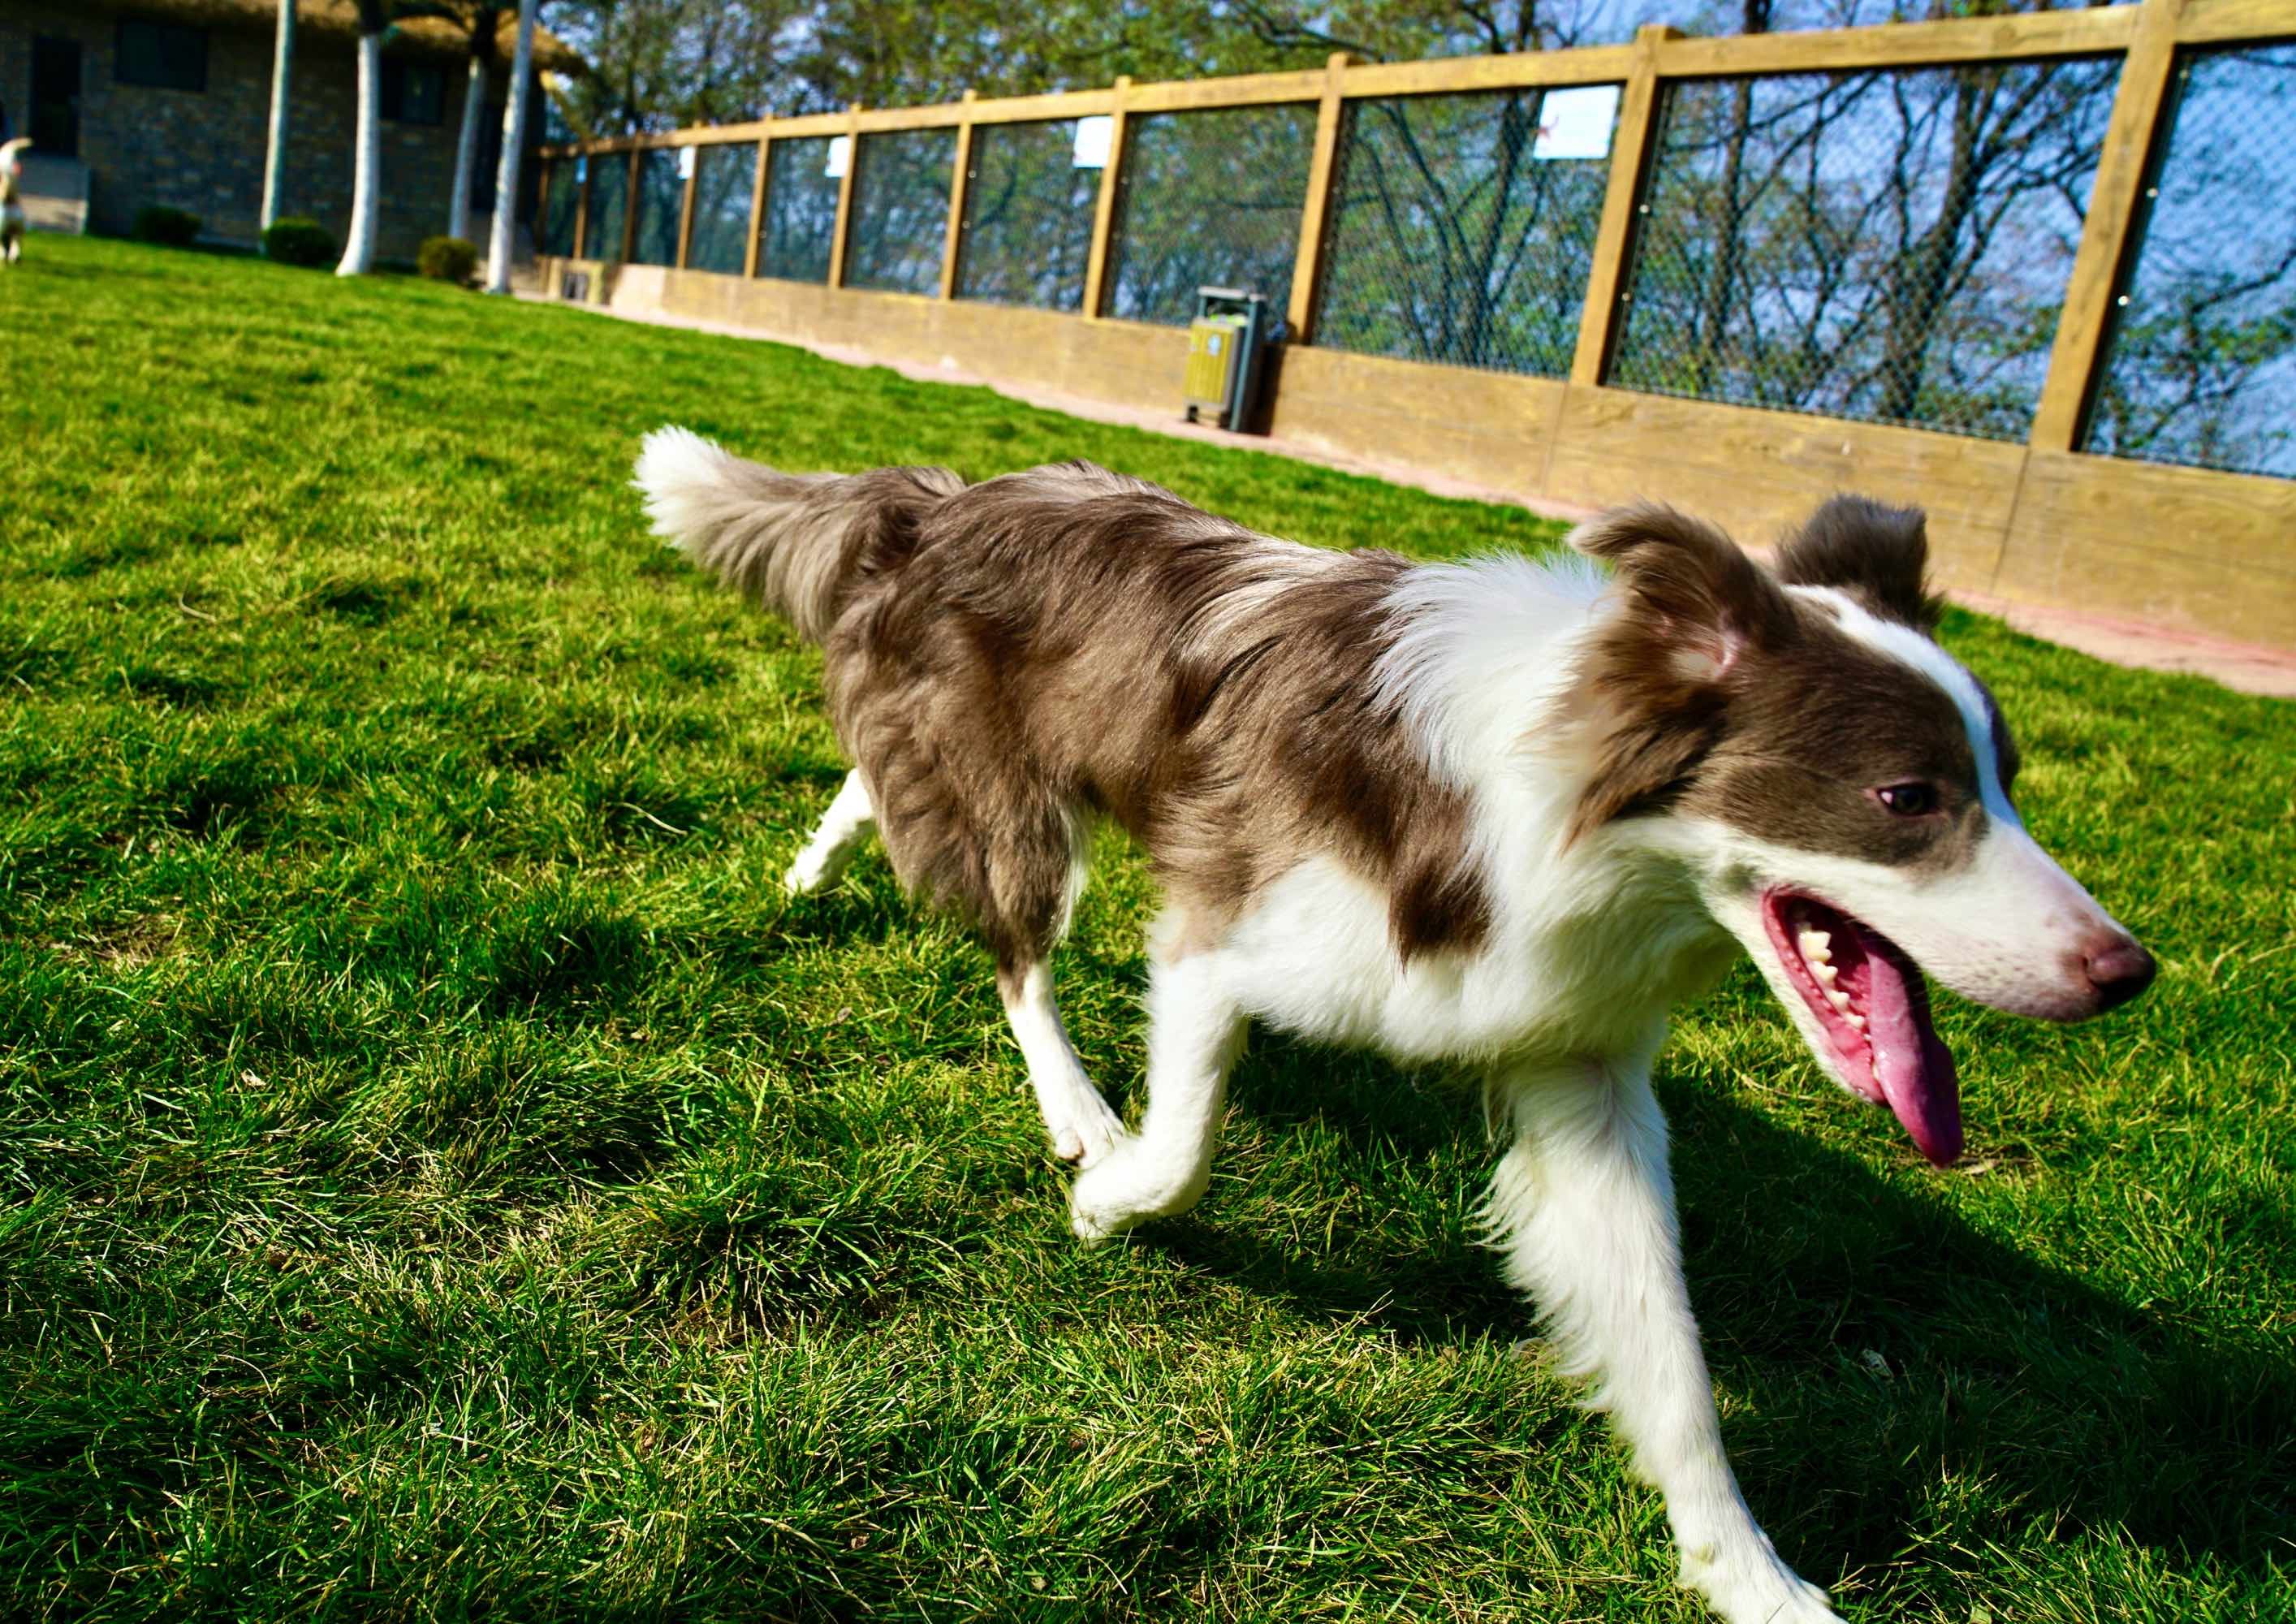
(2008, 928)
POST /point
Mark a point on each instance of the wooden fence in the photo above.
(2210, 550)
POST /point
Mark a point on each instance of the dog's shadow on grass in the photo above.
(1886, 1351)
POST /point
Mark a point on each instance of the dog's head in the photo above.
(1840, 788)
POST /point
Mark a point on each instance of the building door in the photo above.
(54, 126)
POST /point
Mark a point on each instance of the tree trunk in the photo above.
(1917, 298)
(358, 249)
(466, 149)
(274, 155)
(513, 148)
(1714, 301)
(1714, 298)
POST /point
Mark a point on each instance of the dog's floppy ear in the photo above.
(1695, 602)
(1878, 554)
(1660, 671)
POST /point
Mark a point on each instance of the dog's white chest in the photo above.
(1317, 957)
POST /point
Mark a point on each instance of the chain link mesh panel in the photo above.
(1210, 199)
(1452, 240)
(800, 211)
(723, 177)
(1028, 217)
(610, 199)
(661, 200)
(900, 210)
(2200, 367)
(555, 234)
(1890, 246)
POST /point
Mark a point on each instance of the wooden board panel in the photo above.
(1757, 474)
(2025, 34)
(2199, 517)
(2108, 577)
(1243, 90)
(1061, 104)
(1452, 74)
(2222, 20)
(1491, 428)
(1119, 361)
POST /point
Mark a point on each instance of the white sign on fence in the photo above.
(1576, 123)
(840, 154)
(1091, 139)
(686, 162)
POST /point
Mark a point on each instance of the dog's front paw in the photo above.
(1126, 1187)
(807, 875)
(1089, 1130)
(1752, 1585)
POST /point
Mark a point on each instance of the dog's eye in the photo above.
(1915, 799)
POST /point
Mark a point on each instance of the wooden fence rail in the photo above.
(2147, 37)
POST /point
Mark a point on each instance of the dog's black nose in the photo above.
(2120, 971)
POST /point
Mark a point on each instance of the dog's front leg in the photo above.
(1194, 1030)
(1583, 1204)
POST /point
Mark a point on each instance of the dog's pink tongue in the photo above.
(1910, 1062)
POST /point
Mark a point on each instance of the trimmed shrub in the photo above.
(447, 259)
(156, 223)
(298, 240)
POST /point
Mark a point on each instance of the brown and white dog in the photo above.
(1506, 811)
(12, 202)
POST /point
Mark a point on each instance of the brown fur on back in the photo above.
(1006, 661)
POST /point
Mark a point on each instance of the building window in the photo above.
(414, 93)
(165, 56)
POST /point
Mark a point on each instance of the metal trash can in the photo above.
(1226, 341)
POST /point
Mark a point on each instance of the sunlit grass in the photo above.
(439, 1175)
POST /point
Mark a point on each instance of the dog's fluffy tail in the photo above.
(798, 543)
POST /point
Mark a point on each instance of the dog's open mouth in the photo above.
(1869, 1000)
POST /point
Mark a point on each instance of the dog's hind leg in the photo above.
(1584, 1205)
(1194, 1032)
(843, 827)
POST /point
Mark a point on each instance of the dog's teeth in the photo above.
(1814, 945)
(1857, 1022)
(1838, 998)
(1823, 971)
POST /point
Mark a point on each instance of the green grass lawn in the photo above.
(441, 1175)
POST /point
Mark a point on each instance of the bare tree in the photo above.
(366, 170)
(274, 154)
(514, 149)
(485, 24)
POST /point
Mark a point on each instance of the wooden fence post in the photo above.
(959, 179)
(845, 196)
(581, 204)
(630, 195)
(685, 208)
(1599, 320)
(1315, 214)
(2115, 205)
(1104, 213)
(754, 249)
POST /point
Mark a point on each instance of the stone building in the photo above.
(132, 103)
